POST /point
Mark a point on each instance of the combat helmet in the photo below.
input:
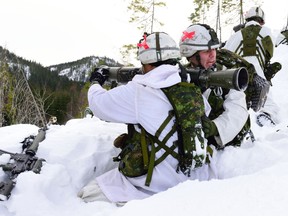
(198, 37)
(157, 47)
(255, 13)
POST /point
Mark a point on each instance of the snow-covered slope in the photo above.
(253, 179)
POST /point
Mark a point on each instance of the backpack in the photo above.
(252, 46)
(139, 147)
(264, 52)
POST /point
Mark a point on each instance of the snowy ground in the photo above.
(253, 178)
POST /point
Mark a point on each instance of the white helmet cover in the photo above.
(255, 12)
(157, 47)
(198, 37)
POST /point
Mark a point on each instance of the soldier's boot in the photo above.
(264, 119)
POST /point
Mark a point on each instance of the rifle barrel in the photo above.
(31, 150)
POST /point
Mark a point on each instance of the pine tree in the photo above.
(18, 104)
(230, 10)
(5, 85)
(143, 14)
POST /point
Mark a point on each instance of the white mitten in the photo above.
(92, 192)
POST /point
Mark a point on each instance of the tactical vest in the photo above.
(216, 102)
(251, 46)
(139, 147)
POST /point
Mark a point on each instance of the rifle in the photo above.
(22, 162)
(232, 79)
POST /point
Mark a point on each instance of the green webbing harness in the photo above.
(150, 163)
(252, 47)
(138, 154)
(188, 107)
(186, 99)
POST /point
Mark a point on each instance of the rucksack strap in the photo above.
(144, 148)
(183, 73)
(161, 145)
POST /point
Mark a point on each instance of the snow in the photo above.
(253, 179)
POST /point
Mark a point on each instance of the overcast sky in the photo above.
(58, 31)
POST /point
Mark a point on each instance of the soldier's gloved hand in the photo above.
(208, 127)
(271, 70)
(99, 75)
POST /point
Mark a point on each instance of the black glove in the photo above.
(271, 70)
(208, 127)
(100, 75)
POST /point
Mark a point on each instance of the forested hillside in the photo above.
(58, 90)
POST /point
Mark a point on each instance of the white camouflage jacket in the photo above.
(140, 101)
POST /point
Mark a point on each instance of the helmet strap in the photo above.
(195, 60)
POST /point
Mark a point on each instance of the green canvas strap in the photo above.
(150, 163)
(144, 148)
(210, 152)
(187, 102)
(164, 124)
(162, 144)
(260, 49)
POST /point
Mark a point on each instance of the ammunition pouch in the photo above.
(131, 158)
(259, 90)
(120, 141)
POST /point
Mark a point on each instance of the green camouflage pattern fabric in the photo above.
(187, 101)
(130, 159)
(230, 60)
(188, 107)
(250, 34)
(216, 103)
(271, 70)
(250, 42)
